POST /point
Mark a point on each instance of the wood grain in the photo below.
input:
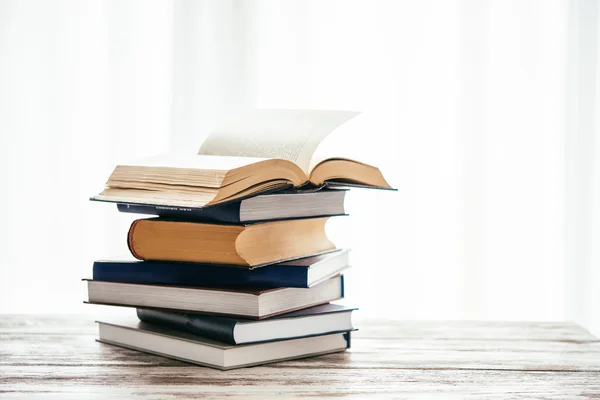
(57, 357)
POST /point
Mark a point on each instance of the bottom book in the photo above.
(198, 350)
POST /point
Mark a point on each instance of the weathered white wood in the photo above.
(366, 353)
(184, 382)
(379, 328)
(477, 330)
(57, 357)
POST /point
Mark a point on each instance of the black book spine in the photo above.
(348, 337)
(228, 213)
(216, 328)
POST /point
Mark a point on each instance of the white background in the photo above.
(482, 113)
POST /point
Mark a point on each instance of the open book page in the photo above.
(194, 162)
(364, 139)
(293, 135)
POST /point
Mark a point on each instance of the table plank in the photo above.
(375, 328)
(63, 350)
(57, 356)
(184, 381)
(476, 330)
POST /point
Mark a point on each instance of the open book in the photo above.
(266, 150)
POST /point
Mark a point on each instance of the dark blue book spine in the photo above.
(229, 213)
(190, 274)
(216, 328)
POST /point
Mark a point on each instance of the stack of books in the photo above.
(235, 269)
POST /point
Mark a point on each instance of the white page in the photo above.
(350, 140)
(293, 135)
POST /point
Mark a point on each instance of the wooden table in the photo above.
(57, 357)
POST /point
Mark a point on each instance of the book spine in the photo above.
(348, 337)
(190, 274)
(228, 213)
(130, 239)
(216, 328)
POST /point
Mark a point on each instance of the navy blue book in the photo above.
(267, 207)
(300, 273)
(313, 321)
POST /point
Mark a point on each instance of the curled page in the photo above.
(293, 135)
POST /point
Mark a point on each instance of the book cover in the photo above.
(250, 303)
(222, 328)
(248, 245)
(289, 274)
(202, 351)
(274, 206)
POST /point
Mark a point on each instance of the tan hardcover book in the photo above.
(263, 151)
(244, 245)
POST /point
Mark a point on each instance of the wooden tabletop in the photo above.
(57, 357)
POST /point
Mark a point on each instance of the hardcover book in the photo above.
(300, 273)
(247, 303)
(245, 245)
(274, 206)
(210, 353)
(266, 150)
(313, 321)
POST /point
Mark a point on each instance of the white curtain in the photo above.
(483, 113)
(82, 85)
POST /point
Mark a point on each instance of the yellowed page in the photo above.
(293, 135)
(193, 162)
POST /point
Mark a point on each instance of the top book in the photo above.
(264, 151)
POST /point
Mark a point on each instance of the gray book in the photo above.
(198, 350)
(253, 303)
